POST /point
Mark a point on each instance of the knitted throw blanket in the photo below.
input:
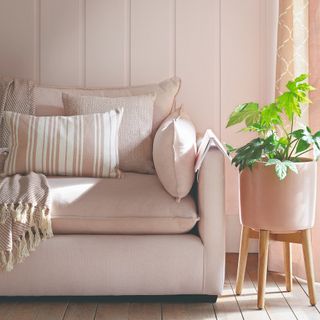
(24, 200)
(24, 217)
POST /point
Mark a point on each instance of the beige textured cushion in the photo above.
(48, 100)
(136, 204)
(174, 153)
(85, 145)
(135, 140)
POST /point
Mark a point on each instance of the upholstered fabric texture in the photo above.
(135, 141)
(111, 265)
(211, 226)
(159, 264)
(136, 204)
(85, 145)
(48, 101)
(174, 153)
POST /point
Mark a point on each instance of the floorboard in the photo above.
(276, 305)
(144, 311)
(280, 305)
(23, 310)
(51, 310)
(112, 311)
(190, 311)
(227, 307)
(248, 299)
(297, 299)
(6, 308)
(81, 311)
(304, 286)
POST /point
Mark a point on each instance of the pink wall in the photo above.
(248, 56)
(223, 50)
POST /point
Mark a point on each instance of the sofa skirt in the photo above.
(110, 265)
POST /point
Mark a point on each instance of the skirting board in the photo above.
(233, 232)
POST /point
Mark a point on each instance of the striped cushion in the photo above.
(84, 145)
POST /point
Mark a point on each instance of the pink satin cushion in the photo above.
(174, 153)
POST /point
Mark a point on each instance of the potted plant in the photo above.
(278, 176)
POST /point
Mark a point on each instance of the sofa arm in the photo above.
(211, 207)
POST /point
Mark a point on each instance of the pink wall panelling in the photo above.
(222, 50)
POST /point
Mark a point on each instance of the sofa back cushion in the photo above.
(135, 134)
(85, 145)
(48, 100)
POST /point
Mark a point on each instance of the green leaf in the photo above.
(281, 170)
(291, 85)
(283, 141)
(230, 148)
(291, 165)
(301, 77)
(281, 167)
(252, 118)
(289, 103)
(305, 87)
(307, 136)
(302, 146)
(298, 133)
(242, 112)
(270, 116)
(316, 139)
(316, 135)
(272, 162)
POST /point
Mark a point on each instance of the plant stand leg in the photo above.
(288, 264)
(308, 260)
(263, 263)
(242, 260)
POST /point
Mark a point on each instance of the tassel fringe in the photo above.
(38, 221)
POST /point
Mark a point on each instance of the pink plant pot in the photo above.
(279, 206)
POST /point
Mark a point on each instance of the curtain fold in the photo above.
(298, 51)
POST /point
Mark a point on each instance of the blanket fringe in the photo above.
(39, 228)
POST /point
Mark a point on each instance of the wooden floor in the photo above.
(279, 304)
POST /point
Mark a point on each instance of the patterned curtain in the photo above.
(299, 52)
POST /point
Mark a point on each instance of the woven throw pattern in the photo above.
(15, 95)
(24, 216)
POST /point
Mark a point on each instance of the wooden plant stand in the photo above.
(302, 236)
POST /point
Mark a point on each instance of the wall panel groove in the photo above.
(106, 43)
(36, 36)
(173, 60)
(61, 42)
(82, 43)
(151, 40)
(127, 59)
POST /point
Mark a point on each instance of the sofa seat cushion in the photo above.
(135, 204)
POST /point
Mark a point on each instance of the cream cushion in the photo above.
(135, 204)
(135, 141)
(174, 153)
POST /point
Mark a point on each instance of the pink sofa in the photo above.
(128, 237)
